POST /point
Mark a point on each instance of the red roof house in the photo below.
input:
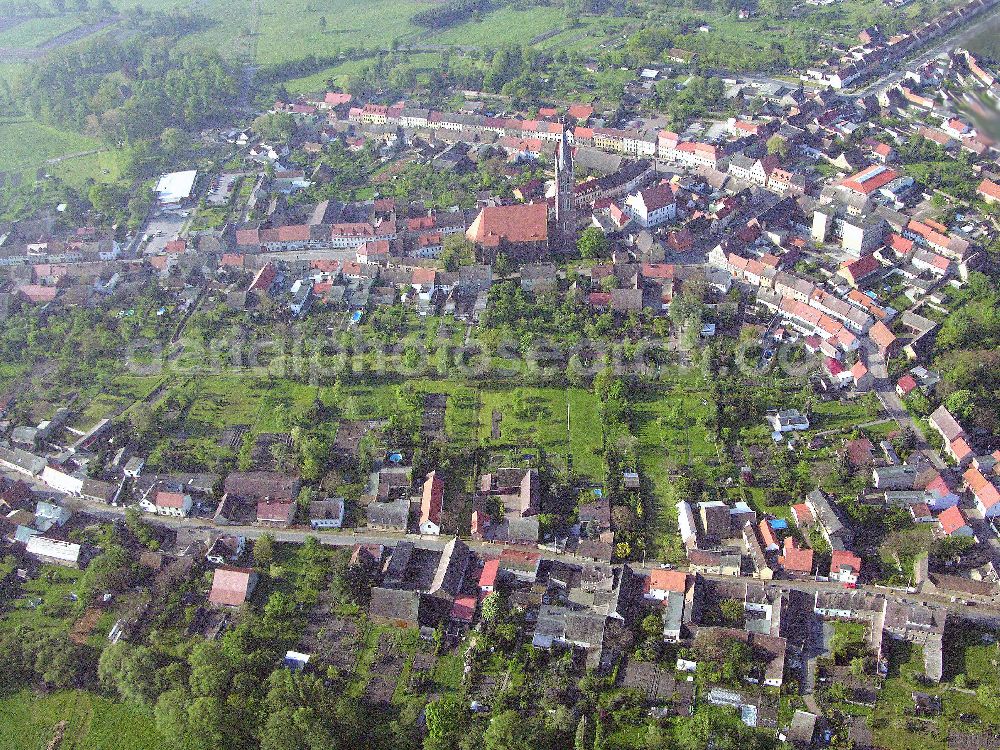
(231, 587)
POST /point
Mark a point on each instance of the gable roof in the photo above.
(432, 499)
(989, 189)
(984, 490)
(668, 580)
(881, 335)
(490, 570)
(231, 586)
(863, 267)
(515, 224)
(169, 500)
(842, 558)
(952, 519)
(906, 384)
(796, 559)
(275, 511)
(943, 421)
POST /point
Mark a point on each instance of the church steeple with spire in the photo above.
(565, 219)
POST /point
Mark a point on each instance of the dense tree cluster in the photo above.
(128, 90)
(449, 13)
(967, 353)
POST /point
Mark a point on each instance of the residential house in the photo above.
(713, 563)
(326, 514)
(845, 566)
(837, 535)
(431, 504)
(755, 549)
(952, 522)
(946, 425)
(660, 583)
(232, 587)
(796, 561)
(652, 206)
(985, 492)
(276, 512)
(488, 576)
(177, 504)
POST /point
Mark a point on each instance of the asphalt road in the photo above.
(957, 39)
(985, 610)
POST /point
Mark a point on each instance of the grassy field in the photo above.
(28, 721)
(103, 166)
(34, 32)
(895, 726)
(47, 602)
(505, 25)
(290, 30)
(672, 440)
(538, 417)
(25, 145)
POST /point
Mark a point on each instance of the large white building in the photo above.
(175, 187)
(54, 551)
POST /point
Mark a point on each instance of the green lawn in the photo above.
(104, 166)
(897, 729)
(34, 32)
(46, 602)
(506, 25)
(834, 415)
(538, 417)
(28, 721)
(25, 145)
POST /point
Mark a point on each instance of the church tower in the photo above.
(565, 219)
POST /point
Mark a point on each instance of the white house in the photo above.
(652, 206)
(661, 583)
(168, 504)
(788, 420)
(327, 514)
(685, 521)
(60, 480)
(845, 566)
